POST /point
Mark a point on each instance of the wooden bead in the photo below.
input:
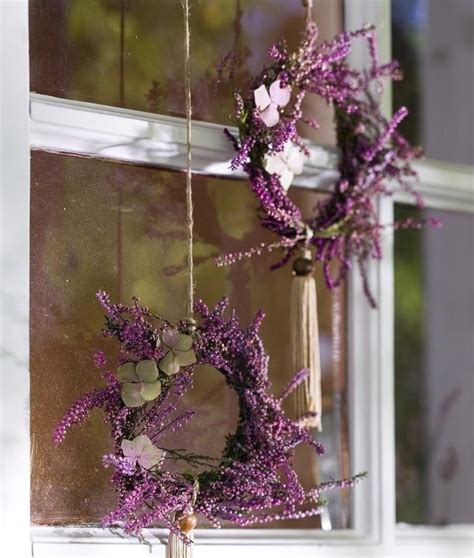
(188, 523)
(302, 267)
(189, 326)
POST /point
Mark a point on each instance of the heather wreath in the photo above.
(374, 156)
(253, 481)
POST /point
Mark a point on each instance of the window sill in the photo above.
(410, 542)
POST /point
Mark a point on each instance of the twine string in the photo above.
(308, 4)
(189, 112)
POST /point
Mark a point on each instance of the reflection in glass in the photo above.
(433, 41)
(121, 228)
(129, 53)
(434, 362)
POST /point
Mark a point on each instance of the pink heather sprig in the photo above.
(228, 259)
(411, 223)
(122, 465)
(374, 156)
(175, 424)
(81, 409)
(253, 481)
(99, 359)
(262, 519)
(315, 493)
(297, 380)
(137, 336)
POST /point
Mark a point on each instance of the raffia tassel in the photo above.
(176, 547)
(304, 339)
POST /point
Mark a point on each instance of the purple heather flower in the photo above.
(99, 359)
(123, 465)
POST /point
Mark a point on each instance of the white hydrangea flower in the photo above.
(285, 164)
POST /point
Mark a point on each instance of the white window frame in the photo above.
(53, 124)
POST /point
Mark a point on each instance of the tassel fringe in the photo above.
(305, 349)
(176, 548)
(185, 522)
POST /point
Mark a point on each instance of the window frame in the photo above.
(14, 280)
(121, 134)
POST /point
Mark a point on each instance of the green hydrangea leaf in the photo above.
(185, 342)
(168, 364)
(185, 358)
(170, 337)
(150, 390)
(126, 373)
(131, 395)
(147, 370)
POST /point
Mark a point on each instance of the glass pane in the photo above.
(432, 39)
(129, 52)
(121, 228)
(434, 381)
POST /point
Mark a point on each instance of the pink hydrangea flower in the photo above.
(268, 101)
(142, 451)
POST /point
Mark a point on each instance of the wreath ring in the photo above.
(253, 481)
(373, 154)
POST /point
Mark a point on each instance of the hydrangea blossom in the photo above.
(269, 101)
(142, 451)
(179, 351)
(140, 382)
(285, 164)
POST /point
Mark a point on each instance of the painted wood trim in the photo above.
(91, 130)
(14, 281)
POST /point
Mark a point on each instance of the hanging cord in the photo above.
(186, 520)
(189, 197)
(308, 4)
